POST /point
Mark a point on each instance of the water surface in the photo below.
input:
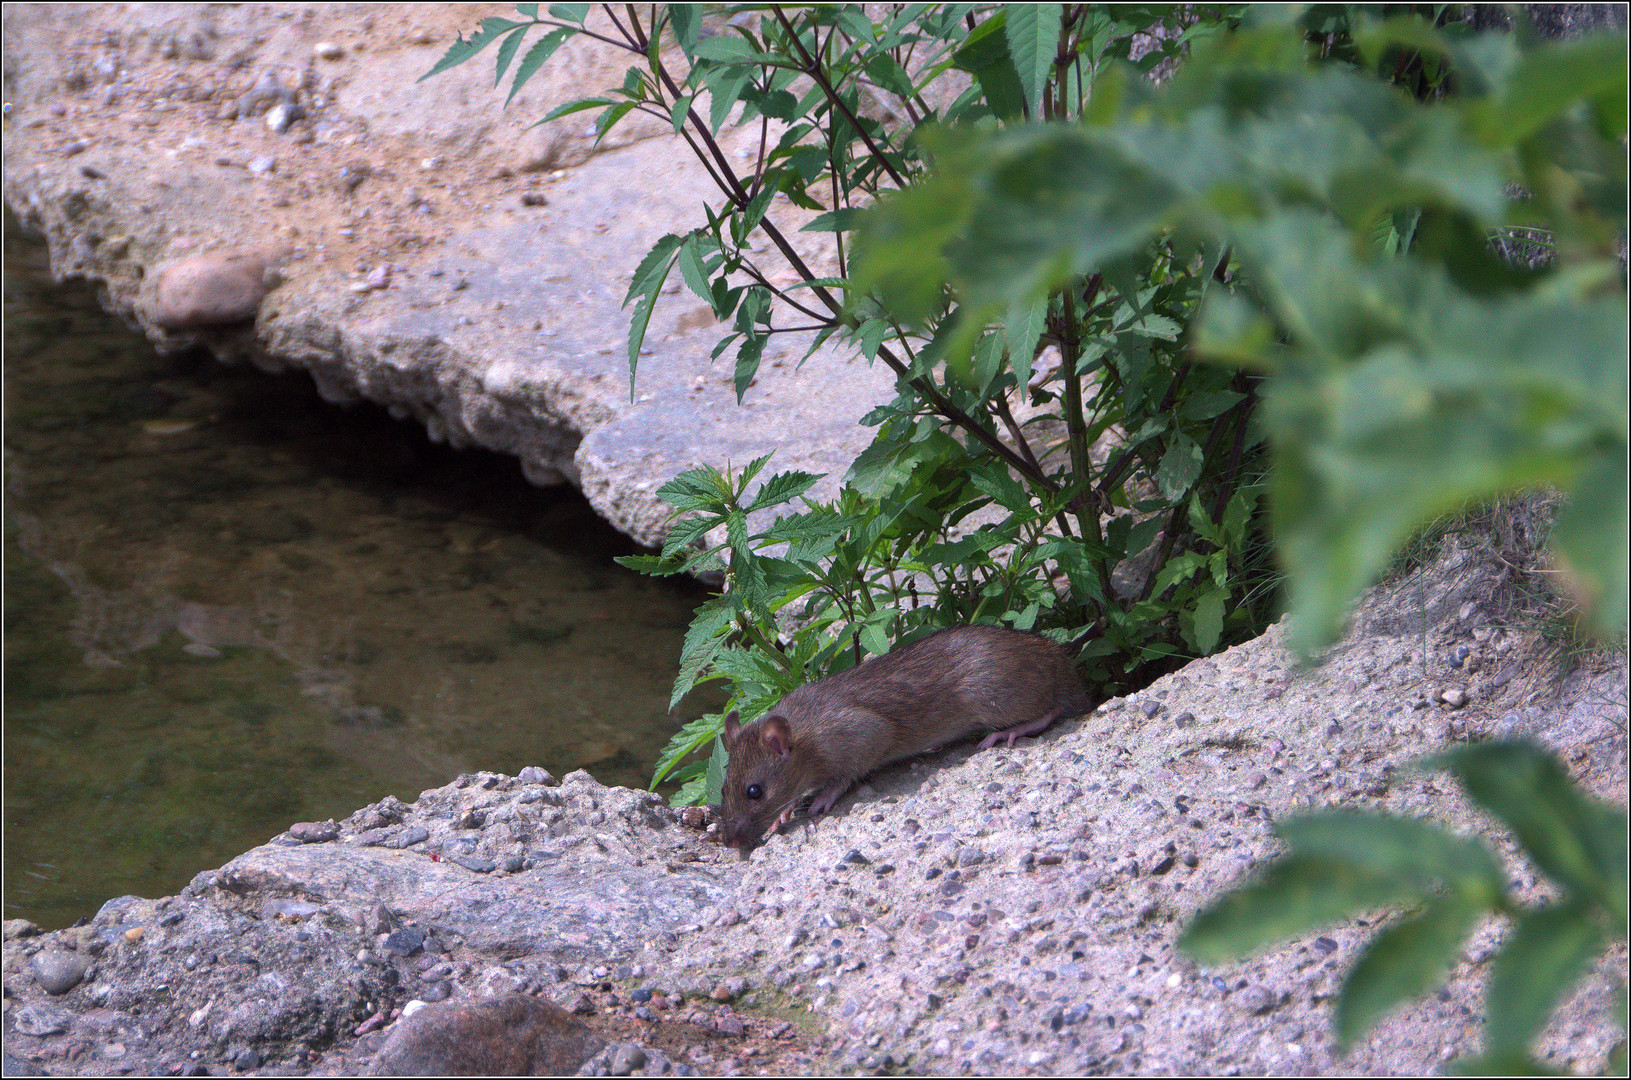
(230, 607)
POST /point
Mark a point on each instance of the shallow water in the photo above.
(230, 607)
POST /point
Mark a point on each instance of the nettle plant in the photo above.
(1060, 465)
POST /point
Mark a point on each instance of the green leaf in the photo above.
(984, 54)
(541, 50)
(886, 71)
(1209, 620)
(1296, 895)
(782, 488)
(575, 107)
(715, 777)
(461, 50)
(1033, 39)
(1023, 329)
(1180, 467)
(747, 362)
(506, 53)
(686, 21)
(1405, 960)
(1578, 842)
(1546, 953)
(653, 269)
(687, 741)
(843, 219)
(572, 13)
(1418, 852)
(703, 640)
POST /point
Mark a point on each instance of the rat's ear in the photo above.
(776, 734)
(733, 730)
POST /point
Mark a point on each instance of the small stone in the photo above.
(314, 832)
(1455, 699)
(41, 1020)
(261, 164)
(59, 972)
(1254, 1000)
(405, 942)
(532, 774)
(327, 50)
(280, 116)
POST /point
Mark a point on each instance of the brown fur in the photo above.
(825, 736)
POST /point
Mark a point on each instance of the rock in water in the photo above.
(210, 290)
(513, 1035)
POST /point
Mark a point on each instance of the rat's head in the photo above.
(760, 780)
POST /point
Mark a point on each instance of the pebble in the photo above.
(314, 832)
(41, 1020)
(1254, 1000)
(405, 942)
(59, 972)
(626, 1059)
(327, 50)
(281, 115)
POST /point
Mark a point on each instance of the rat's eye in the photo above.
(754, 791)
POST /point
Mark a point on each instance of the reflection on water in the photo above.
(229, 607)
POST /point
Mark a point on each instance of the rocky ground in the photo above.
(1005, 912)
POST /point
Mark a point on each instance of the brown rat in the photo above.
(828, 734)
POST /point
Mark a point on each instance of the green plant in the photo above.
(1341, 865)
(1406, 377)
(1109, 497)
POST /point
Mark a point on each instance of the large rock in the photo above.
(211, 290)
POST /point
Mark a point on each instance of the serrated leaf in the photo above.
(572, 13)
(685, 742)
(1033, 39)
(462, 49)
(886, 71)
(1208, 616)
(747, 362)
(574, 107)
(754, 212)
(1180, 466)
(541, 50)
(703, 640)
(692, 268)
(506, 53)
(782, 488)
(714, 778)
(679, 112)
(843, 219)
(1023, 329)
(653, 269)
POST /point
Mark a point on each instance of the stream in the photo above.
(230, 607)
